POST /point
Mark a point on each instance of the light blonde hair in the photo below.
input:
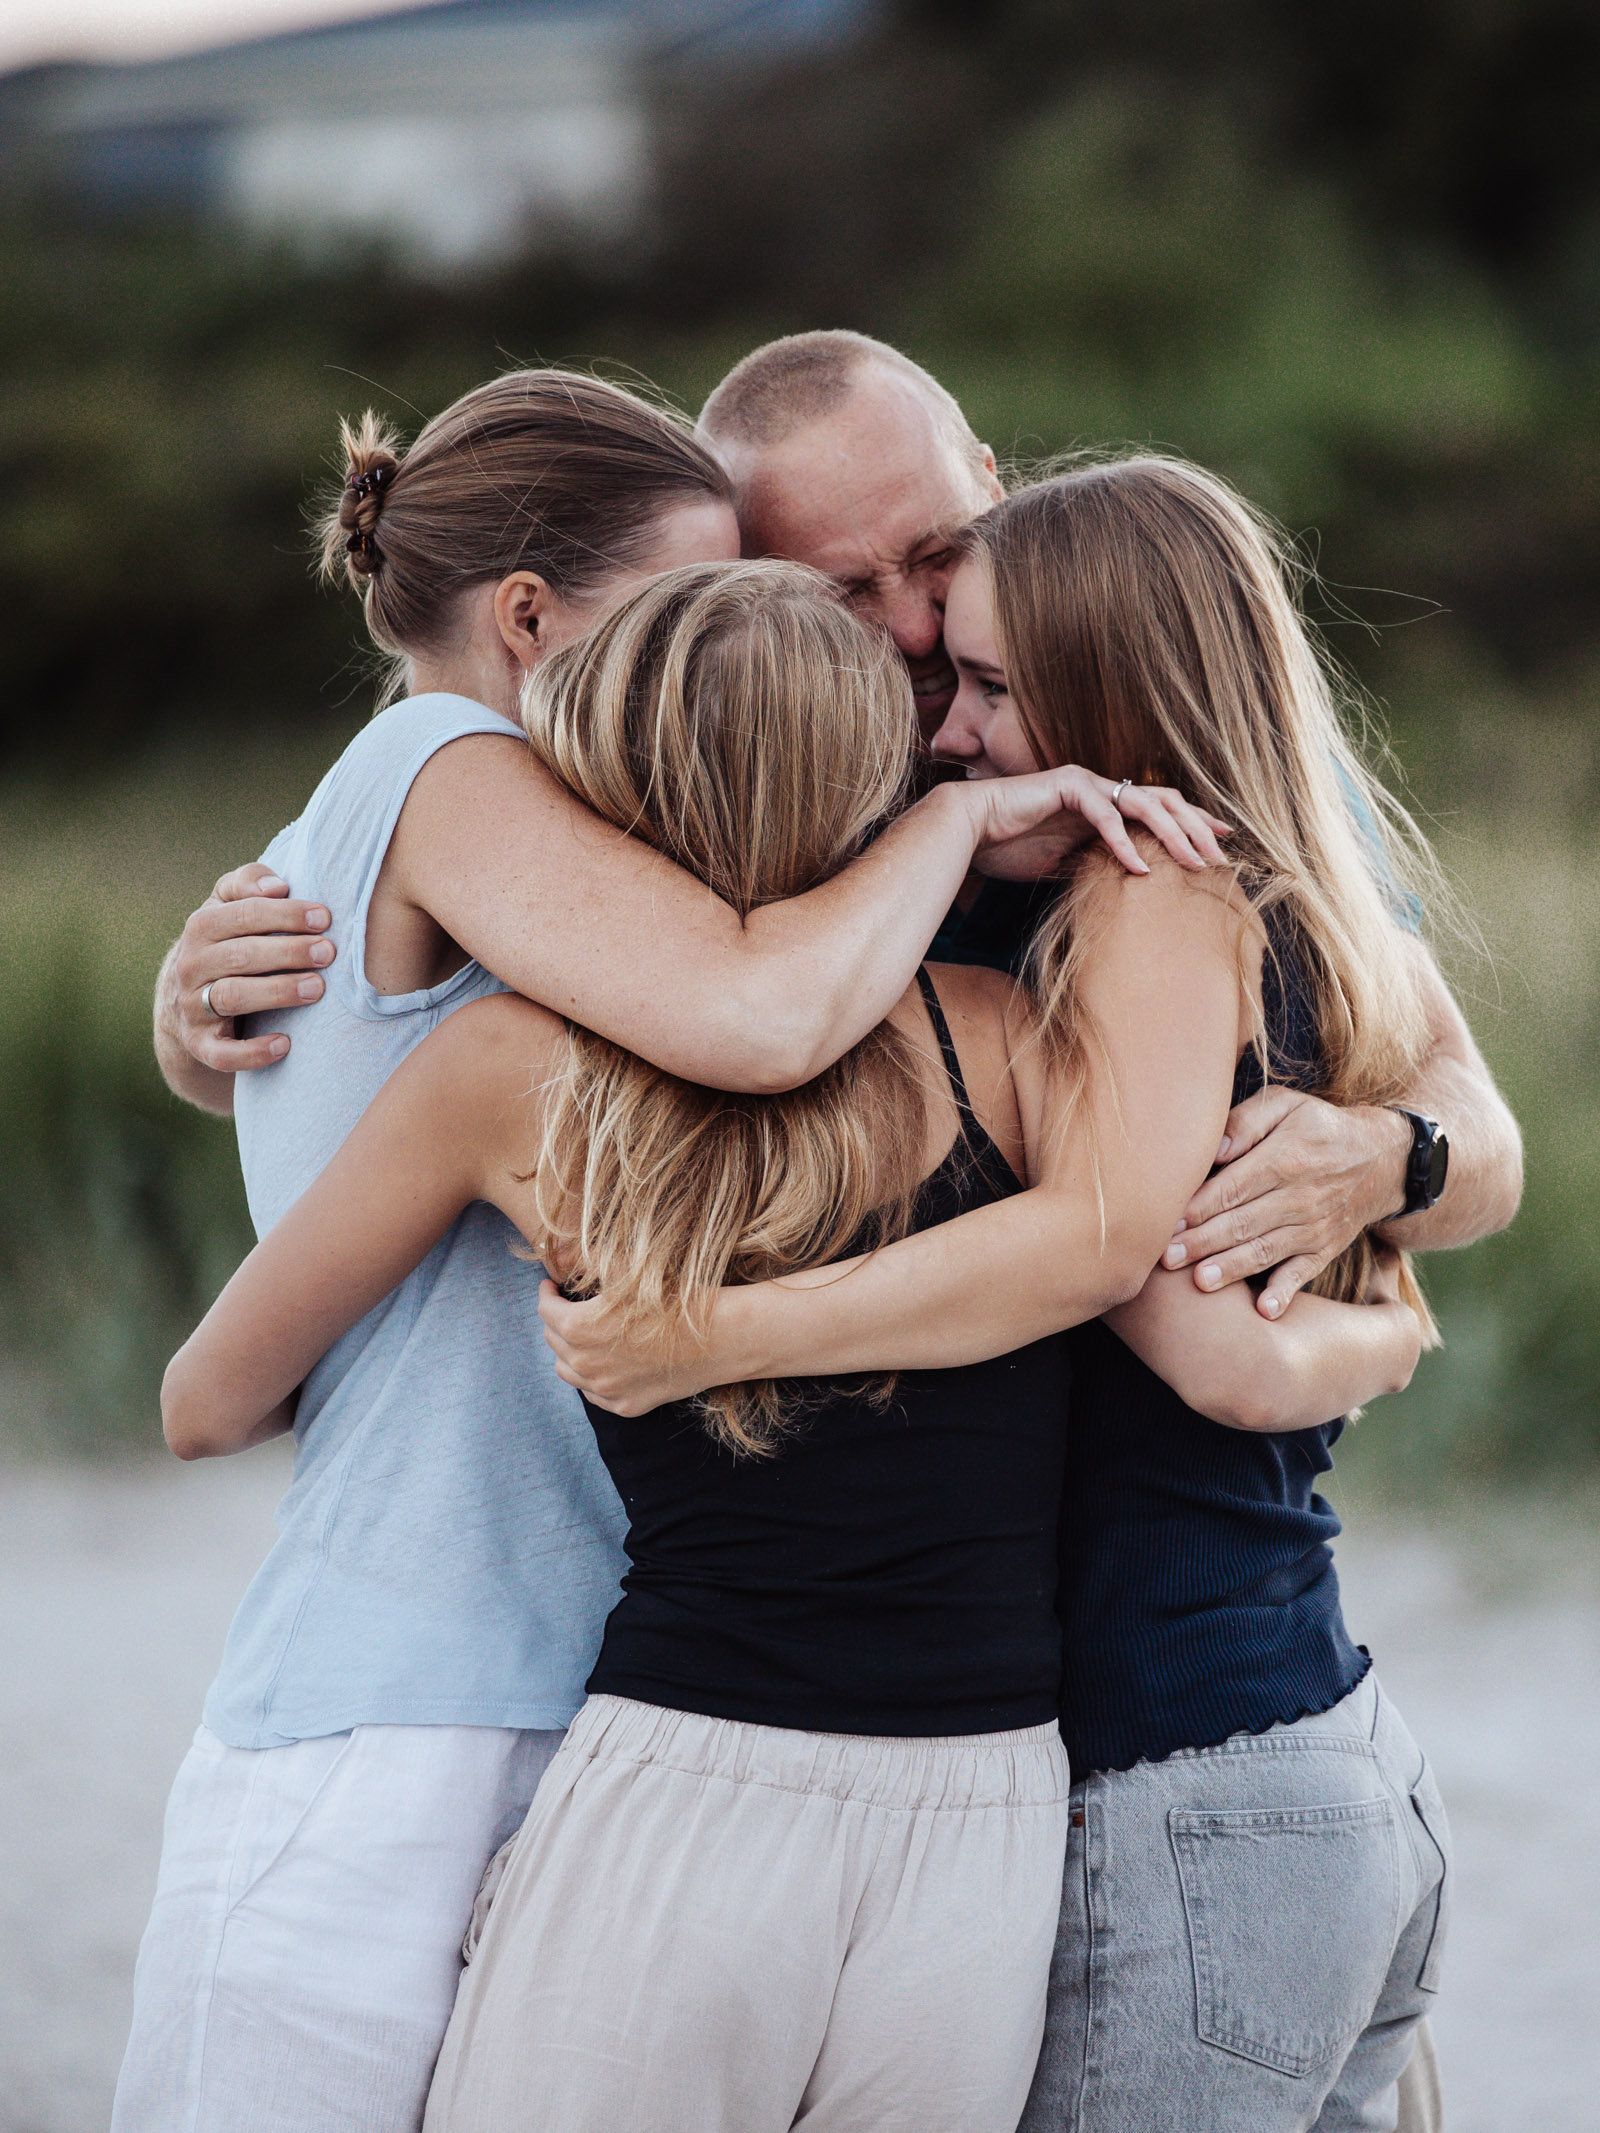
(739, 719)
(1150, 630)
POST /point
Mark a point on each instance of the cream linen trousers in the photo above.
(711, 1927)
(302, 1954)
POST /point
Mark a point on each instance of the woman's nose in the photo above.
(956, 741)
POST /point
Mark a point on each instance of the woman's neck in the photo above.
(471, 673)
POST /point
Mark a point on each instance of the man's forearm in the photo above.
(183, 1074)
(1299, 1179)
(1484, 1182)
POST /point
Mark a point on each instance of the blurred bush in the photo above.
(1360, 275)
(1348, 258)
(121, 1209)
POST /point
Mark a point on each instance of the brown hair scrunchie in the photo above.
(359, 508)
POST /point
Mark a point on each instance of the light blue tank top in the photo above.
(450, 1544)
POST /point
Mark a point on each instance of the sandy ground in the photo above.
(116, 1587)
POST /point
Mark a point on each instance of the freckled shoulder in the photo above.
(494, 1051)
(1174, 914)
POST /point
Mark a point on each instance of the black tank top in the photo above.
(890, 1570)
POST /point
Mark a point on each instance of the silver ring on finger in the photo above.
(215, 1013)
(1116, 797)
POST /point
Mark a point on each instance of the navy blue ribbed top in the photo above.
(1197, 1595)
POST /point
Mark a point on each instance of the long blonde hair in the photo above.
(736, 717)
(1150, 630)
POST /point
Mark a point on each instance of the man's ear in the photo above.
(525, 610)
(991, 476)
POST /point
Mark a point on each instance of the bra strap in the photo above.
(947, 1049)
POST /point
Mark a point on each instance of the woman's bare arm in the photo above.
(1163, 989)
(434, 1139)
(1222, 1358)
(596, 925)
(637, 950)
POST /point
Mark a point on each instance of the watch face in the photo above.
(1438, 1166)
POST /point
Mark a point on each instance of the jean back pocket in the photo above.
(1292, 1916)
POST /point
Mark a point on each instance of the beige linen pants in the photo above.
(1421, 2103)
(710, 1927)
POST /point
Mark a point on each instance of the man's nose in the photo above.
(915, 621)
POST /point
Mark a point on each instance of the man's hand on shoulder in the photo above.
(1297, 1180)
(250, 949)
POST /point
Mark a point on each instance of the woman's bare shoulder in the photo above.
(473, 1087)
(973, 991)
(495, 1049)
(1204, 899)
(477, 804)
(1175, 926)
(982, 1009)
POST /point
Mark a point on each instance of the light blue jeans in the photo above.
(1249, 1934)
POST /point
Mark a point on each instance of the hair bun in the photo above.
(372, 468)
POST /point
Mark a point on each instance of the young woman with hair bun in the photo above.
(402, 1666)
(798, 1860)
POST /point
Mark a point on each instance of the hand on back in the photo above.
(260, 951)
(1030, 825)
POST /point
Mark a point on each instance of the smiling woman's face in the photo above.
(982, 730)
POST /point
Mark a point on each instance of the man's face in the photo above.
(873, 497)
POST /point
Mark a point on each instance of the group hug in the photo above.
(837, 1096)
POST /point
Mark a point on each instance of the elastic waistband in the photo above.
(959, 1770)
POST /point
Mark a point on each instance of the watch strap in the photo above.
(1427, 1142)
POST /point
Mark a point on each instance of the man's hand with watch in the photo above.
(1297, 1180)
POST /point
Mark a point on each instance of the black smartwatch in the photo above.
(1428, 1164)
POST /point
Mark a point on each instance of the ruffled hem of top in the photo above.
(1154, 1758)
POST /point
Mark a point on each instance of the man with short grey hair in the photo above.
(846, 455)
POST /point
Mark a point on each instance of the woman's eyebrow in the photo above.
(979, 666)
